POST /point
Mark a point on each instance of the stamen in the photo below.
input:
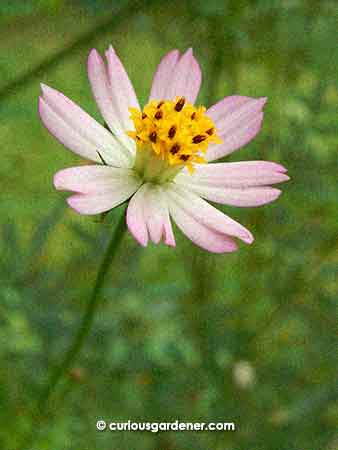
(198, 138)
(174, 149)
(153, 136)
(179, 105)
(172, 131)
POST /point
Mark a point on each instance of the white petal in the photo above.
(93, 179)
(206, 214)
(99, 188)
(157, 216)
(237, 184)
(106, 100)
(242, 197)
(177, 76)
(199, 233)
(75, 129)
(163, 75)
(148, 216)
(135, 218)
(236, 174)
(238, 120)
(122, 91)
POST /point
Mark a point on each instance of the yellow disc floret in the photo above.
(177, 132)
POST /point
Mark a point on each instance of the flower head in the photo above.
(157, 158)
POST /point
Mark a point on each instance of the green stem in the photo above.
(88, 318)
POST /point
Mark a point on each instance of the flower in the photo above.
(159, 158)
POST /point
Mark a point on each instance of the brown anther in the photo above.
(172, 132)
(198, 138)
(210, 132)
(158, 115)
(184, 157)
(153, 136)
(174, 149)
(144, 115)
(193, 115)
(179, 105)
(160, 104)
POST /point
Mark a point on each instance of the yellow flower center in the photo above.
(170, 135)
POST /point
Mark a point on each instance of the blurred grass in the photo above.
(175, 323)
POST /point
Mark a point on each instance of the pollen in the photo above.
(177, 132)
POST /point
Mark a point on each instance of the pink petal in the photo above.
(238, 120)
(75, 129)
(94, 204)
(157, 216)
(200, 234)
(98, 77)
(135, 218)
(94, 179)
(235, 175)
(122, 91)
(103, 94)
(148, 216)
(248, 197)
(177, 77)
(206, 214)
(238, 184)
(163, 75)
(99, 188)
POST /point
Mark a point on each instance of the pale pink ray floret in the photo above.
(179, 195)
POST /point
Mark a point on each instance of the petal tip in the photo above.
(248, 238)
(43, 88)
(263, 101)
(57, 180)
(110, 50)
(93, 55)
(72, 202)
(281, 168)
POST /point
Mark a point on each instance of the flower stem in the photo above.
(88, 318)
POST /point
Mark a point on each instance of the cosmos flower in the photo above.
(161, 158)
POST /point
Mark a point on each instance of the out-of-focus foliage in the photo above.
(180, 334)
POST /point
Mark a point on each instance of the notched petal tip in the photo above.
(247, 238)
(284, 177)
(277, 194)
(263, 101)
(281, 168)
(73, 203)
(143, 241)
(110, 51)
(93, 57)
(45, 89)
(57, 180)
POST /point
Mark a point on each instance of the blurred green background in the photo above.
(180, 334)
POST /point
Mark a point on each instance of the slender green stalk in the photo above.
(88, 318)
(85, 327)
